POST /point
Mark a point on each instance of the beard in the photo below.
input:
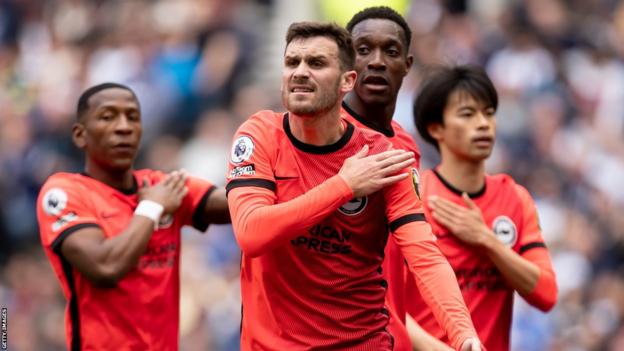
(325, 101)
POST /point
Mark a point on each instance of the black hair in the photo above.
(330, 30)
(382, 12)
(83, 100)
(440, 84)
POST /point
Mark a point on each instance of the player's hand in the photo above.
(169, 192)
(466, 223)
(367, 174)
(471, 344)
(431, 344)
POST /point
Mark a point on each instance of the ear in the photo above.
(435, 130)
(409, 61)
(348, 81)
(79, 135)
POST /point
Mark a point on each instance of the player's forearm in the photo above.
(437, 283)
(260, 226)
(420, 339)
(521, 274)
(120, 254)
(544, 294)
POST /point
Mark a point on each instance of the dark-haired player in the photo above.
(311, 198)
(381, 39)
(112, 233)
(486, 225)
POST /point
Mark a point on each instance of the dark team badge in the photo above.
(416, 181)
(354, 206)
(242, 149)
(505, 230)
(54, 201)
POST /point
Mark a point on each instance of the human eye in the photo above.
(363, 50)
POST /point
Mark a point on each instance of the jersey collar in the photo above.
(314, 149)
(387, 132)
(453, 189)
(133, 190)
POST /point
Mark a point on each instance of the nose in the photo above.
(123, 125)
(483, 122)
(377, 60)
(301, 71)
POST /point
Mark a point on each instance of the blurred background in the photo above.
(201, 67)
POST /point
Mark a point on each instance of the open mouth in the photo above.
(301, 90)
(375, 80)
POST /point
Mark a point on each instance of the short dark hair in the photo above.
(382, 12)
(439, 84)
(83, 100)
(333, 31)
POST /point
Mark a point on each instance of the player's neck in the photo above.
(319, 130)
(119, 180)
(379, 116)
(463, 175)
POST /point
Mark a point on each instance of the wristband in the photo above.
(150, 209)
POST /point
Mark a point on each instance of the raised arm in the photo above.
(104, 261)
(529, 272)
(260, 224)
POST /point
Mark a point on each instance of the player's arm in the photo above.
(261, 225)
(530, 273)
(104, 261)
(432, 273)
(420, 339)
(216, 208)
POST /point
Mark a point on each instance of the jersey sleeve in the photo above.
(432, 273)
(62, 209)
(195, 201)
(260, 224)
(533, 248)
(250, 162)
(403, 203)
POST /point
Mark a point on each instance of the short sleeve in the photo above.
(63, 208)
(195, 201)
(250, 157)
(530, 236)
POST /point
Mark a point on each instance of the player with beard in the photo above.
(112, 233)
(311, 198)
(486, 225)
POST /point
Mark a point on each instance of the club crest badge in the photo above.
(505, 230)
(54, 201)
(242, 149)
(354, 206)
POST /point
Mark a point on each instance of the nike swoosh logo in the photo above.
(106, 215)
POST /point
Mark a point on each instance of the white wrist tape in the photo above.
(150, 209)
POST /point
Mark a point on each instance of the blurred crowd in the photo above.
(201, 67)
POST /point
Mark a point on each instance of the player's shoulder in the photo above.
(376, 141)
(63, 180)
(505, 183)
(263, 121)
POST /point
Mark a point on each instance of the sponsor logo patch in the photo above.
(240, 171)
(505, 230)
(64, 219)
(54, 201)
(242, 149)
(354, 206)
(416, 181)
